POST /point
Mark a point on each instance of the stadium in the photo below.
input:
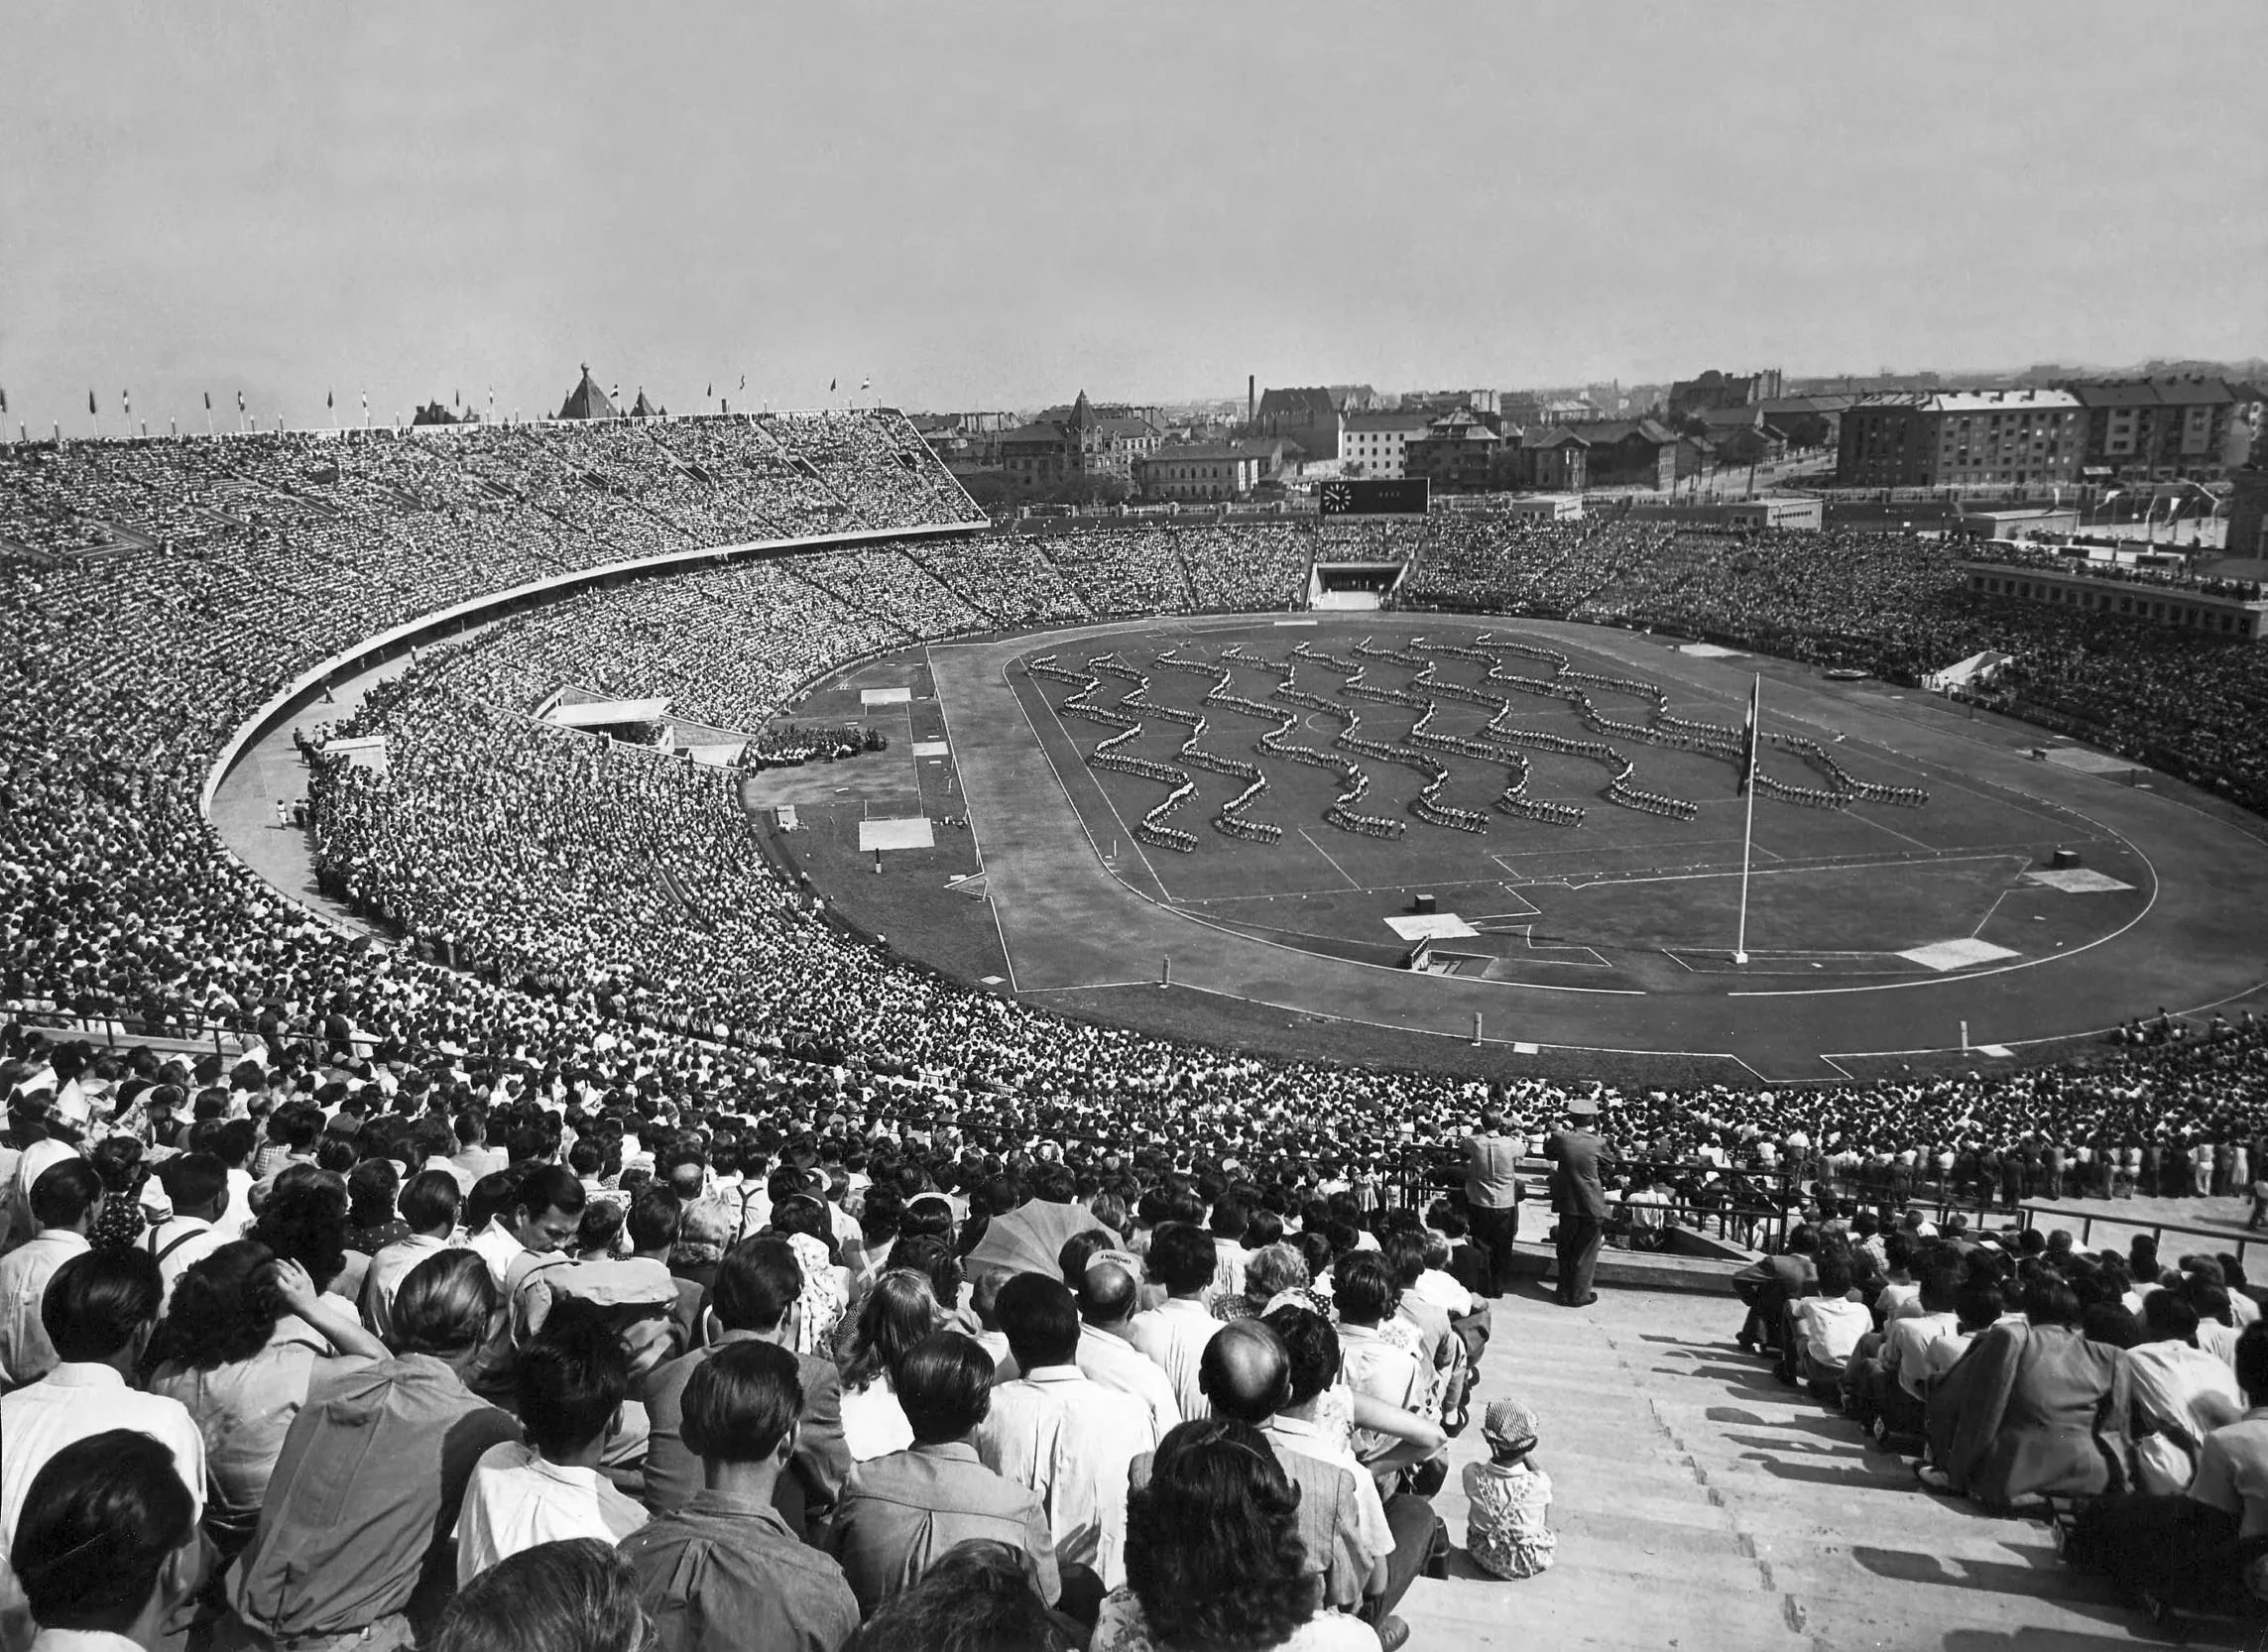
(583, 714)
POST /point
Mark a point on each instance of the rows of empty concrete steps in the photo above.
(1702, 1506)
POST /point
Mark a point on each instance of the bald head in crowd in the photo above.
(1246, 1373)
(1108, 1294)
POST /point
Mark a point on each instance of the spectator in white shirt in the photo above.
(1173, 1336)
(100, 1309)
(197, 1185)
(544, 1214)
(570, 1384)
(1110, 1289)
(106, 1544)
(1062, 1434)
(1232, 1217)
(66, 1199)
(1824, 1330)
(429, 1203)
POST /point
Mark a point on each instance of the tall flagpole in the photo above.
(1748, 831)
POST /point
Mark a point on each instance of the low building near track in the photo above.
(2187, 607)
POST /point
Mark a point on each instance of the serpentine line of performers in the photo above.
(1495, 742)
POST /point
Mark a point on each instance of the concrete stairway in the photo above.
(1703, 1505)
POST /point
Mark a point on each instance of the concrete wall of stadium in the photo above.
(447, 622)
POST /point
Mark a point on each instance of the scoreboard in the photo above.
(1395, 497)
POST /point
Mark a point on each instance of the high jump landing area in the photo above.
(1070, 919)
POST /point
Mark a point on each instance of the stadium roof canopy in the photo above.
(597, 714)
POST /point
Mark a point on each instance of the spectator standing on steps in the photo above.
(1493, 1194)
(1577, 1200)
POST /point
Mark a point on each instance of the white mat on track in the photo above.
(885, 696)
(1955, 955)
(894, 834)
(2076, 879)
(1433, 926)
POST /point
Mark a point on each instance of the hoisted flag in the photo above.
(1750, 733)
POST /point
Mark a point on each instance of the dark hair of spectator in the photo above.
(1182, 1259)
(1042, 1319)
(305, 1218)
(2252, 1362)
(1363, 1288)
(740, 1402)
(654, 1217)
(98, 1300)
(2049, 1301)
(64, 1192)
(944, 1386)
(1311, 1345)
(429, 1198)
(900, 1310)
(445, 1305)
(545, 1188)
(193, 1180)
(569, 1384)
(99, 1522)
(223, 1310)
(576, 1595)
(756, 1283)
(977, 1596)
(1213, 1548)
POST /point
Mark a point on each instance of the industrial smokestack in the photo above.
(1251, 399)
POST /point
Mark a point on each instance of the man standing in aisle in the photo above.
(1577, 1200)
(1493, 1194)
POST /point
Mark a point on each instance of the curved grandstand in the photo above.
(605, 906)
(599, 923)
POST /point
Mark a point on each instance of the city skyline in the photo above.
(996, 208)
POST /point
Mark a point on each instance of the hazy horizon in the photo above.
(997, 207)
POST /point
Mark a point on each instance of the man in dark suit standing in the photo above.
(1578, 1201)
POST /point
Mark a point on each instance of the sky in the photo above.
(995, 207)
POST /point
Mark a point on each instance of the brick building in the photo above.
(1713, 389)
(1633, 452)
(1200, 471)
(1965, 438)
(1460, 453)
(1375, 443)
(1049, 453)
(2156, 429)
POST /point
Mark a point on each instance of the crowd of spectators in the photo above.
(594, 954)
(2116, 1393)
(759, 1375)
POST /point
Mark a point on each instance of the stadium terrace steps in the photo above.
(1704, 1507)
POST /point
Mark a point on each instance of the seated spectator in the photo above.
(1507, 1529)
(1110, 1291)
(100, 1309)
(897, 1313)
(66, 1201)
(1886, 1384)
(570, 1384)
(1213, 1556)
(1246, 1377)
(904, 1510)
(2033, 1409)
(542, 1215)
(1173, 1336)
(756, 1300)
(105, 1543)
(1403, 1527)
(2181, 1394)
(1768, 1287)
(1822, 1331)
(576, 1594)
(248, 1338)
(1064, 1436)
(355, 1536)
(979, 1597)
(197, 1185)
(428, 1205)
(724, 1570)
(1373, 1364)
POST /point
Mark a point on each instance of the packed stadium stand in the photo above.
(591, 925)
